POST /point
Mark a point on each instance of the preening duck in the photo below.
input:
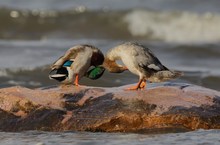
(140, 61)
(75, 63)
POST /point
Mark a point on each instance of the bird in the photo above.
(140, 61)
(75, 63)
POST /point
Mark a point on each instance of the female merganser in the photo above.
(140, 61)
(74, 64)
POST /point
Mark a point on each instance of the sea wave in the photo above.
(179, 27)
(166, 26)
(29, 77)
(73, 23)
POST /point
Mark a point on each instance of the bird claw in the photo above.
(132, 88)
(78, 85)
(140, 86)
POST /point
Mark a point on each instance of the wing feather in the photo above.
(69, 55)
(148, 61)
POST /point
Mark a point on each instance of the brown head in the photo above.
(113, 67)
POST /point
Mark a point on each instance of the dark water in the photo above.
(185, 35)
(200, 137)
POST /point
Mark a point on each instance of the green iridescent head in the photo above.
(95, 73)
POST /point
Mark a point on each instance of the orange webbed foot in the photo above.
(132, 88)
(141, 85)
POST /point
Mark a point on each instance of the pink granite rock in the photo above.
(169, 107)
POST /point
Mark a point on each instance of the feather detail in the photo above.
(77, 61)
(68, 63)
(166, 75)
(139, 60)
(95, 73)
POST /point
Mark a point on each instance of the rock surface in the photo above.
(168, 107)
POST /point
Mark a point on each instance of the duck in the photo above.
(75, 63)
(140, 61)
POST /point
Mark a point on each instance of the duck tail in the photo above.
(165, 75)
(178, 73)
(57, 64)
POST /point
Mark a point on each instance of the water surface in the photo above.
(200, 137)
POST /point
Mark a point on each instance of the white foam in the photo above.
(181, 27)
(3, 73)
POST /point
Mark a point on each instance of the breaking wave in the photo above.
(166, 26)
(174, 26)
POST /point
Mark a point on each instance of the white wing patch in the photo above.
(153, 66)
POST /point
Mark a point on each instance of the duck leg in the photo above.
(143, 84)
(138, 86)
(76, 82)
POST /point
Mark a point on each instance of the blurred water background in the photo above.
(184, 34)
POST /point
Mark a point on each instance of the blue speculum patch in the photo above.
(68, 63)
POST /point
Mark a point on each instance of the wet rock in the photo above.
(163, 108)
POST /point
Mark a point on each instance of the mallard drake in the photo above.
(75, 63)
(140, 61)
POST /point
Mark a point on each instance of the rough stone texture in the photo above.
(168, 107)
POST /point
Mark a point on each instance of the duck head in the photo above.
(113, 67)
